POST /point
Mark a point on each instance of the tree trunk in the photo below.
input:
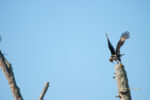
(122, 83)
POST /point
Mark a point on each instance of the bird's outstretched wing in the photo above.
(123, 37)
(112, 50)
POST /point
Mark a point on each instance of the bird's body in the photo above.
(115, 54)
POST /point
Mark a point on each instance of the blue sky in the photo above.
(64, 42)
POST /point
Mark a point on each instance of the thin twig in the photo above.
(7, 70)
(44, 91)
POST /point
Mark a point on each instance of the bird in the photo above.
(115, 54)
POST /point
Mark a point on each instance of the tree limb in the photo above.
(7, 70)
(44, 91)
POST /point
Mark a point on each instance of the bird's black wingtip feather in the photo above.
(106, 35)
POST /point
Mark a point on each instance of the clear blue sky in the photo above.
(64, 42)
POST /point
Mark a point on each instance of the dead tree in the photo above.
(122, 82)
(8, 72)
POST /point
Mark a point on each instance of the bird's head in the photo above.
(111, 59)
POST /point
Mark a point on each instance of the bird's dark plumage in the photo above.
(115, 55)
(112, 50)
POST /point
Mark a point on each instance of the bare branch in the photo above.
(7, 70)
(44, 91)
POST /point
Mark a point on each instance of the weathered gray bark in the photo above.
(122, 83)
(44, 91)
(7, 70)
